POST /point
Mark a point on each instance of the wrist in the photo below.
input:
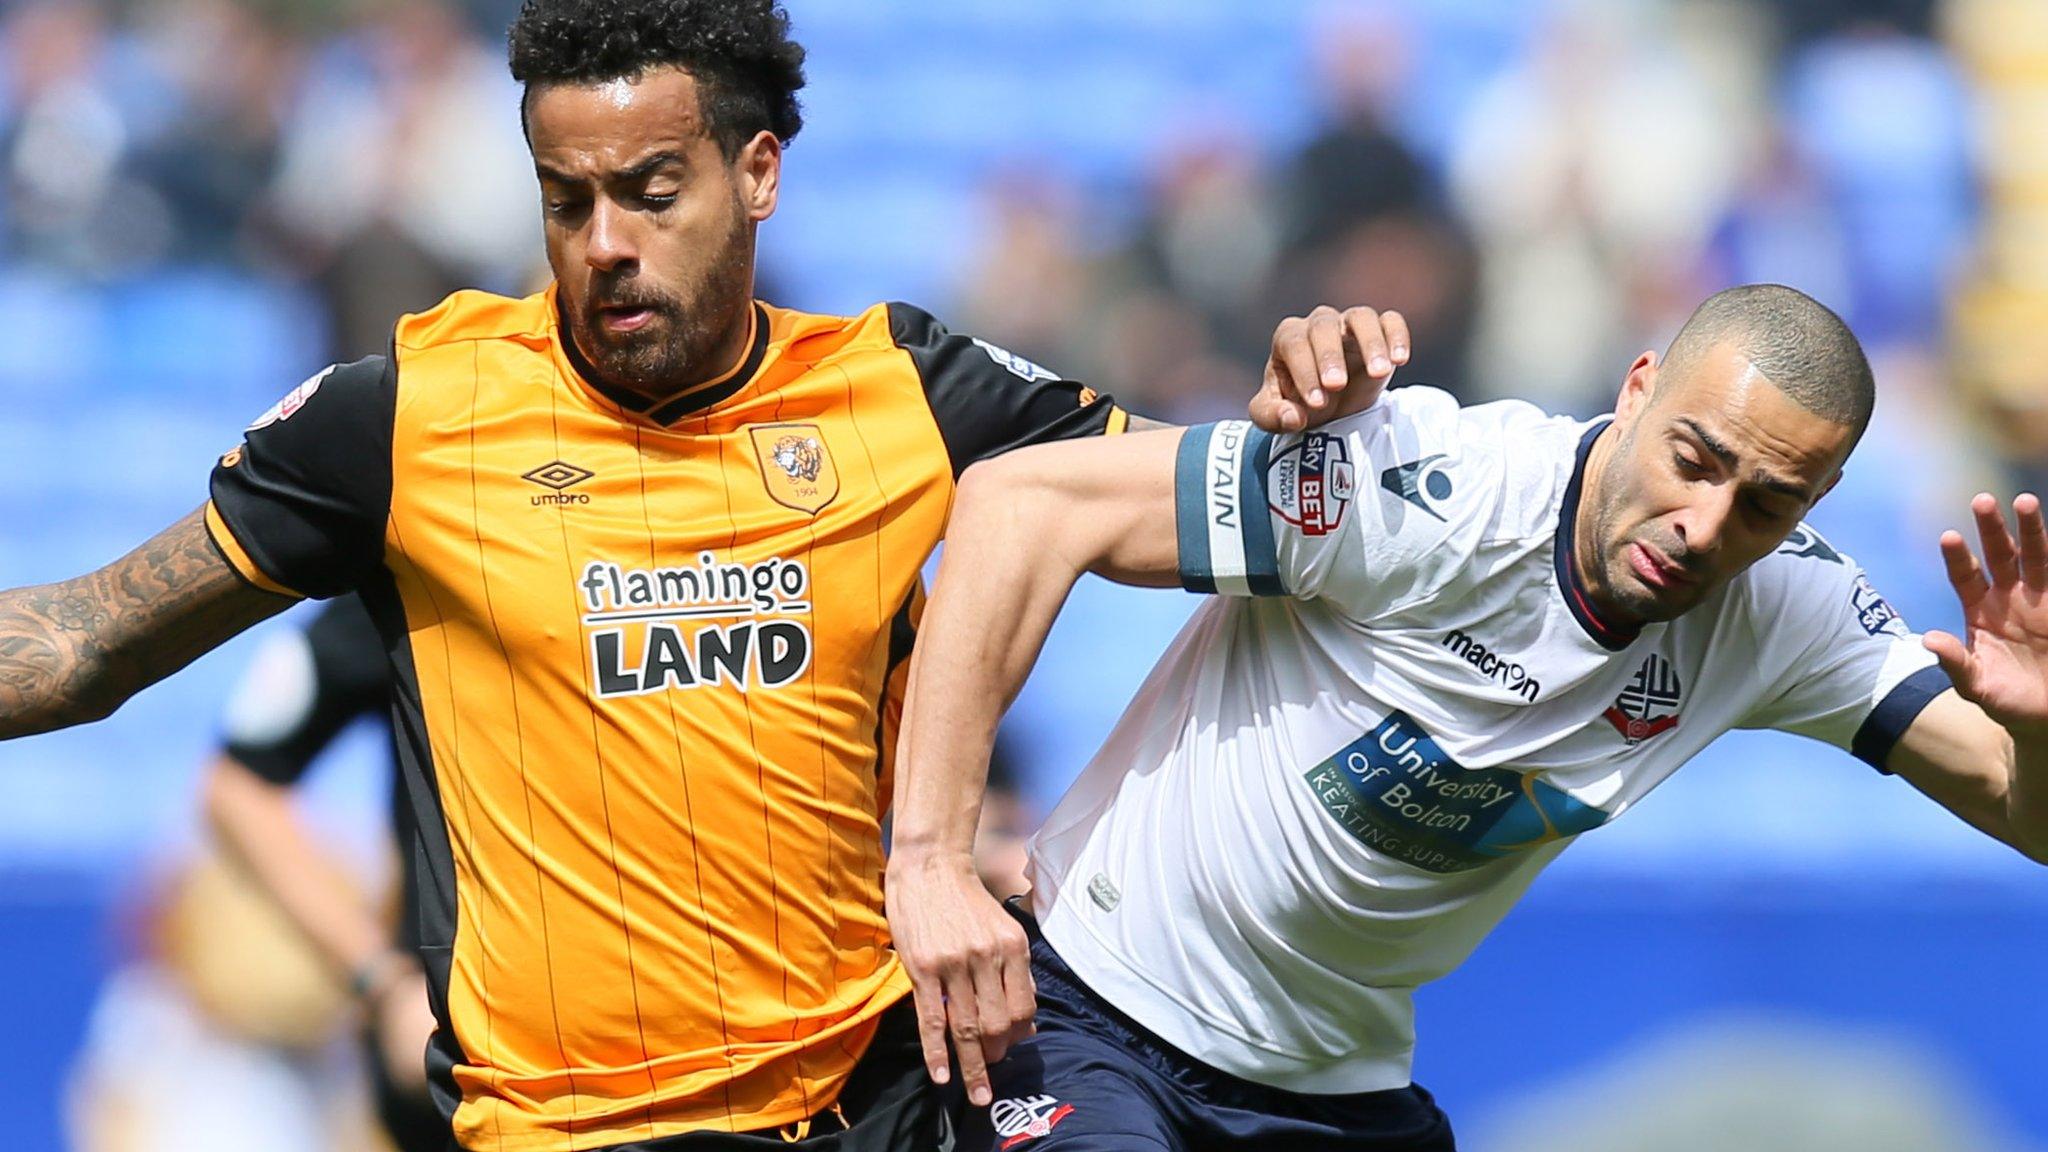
(930, 860)
(372, 979)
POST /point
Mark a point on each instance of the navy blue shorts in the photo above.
(1093, 1080)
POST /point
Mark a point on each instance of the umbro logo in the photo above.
(1419, 483)
(558, 475)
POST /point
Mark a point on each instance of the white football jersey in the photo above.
(1346, 770)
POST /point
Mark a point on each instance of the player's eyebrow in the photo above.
(554, 175)
(649, 166)
(1721, 451)
(1779, 484)
(1728, 459)
(639, 171)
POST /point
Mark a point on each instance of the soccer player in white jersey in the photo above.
(1449, 640)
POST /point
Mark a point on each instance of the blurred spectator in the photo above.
(1805, 20)
(1211, 234)
(1592, 174)
(1781, 228)
(1030, 285)
(224, 1035)
(1885, 118)
(1365, 219)
(300, 695)
(1355, 169)
(1997, 345)
(1162, 357)
(212, 165)
(63, 139)
(406, 174)
(1174, 319)
(1417, 262)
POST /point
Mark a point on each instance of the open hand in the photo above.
(2001, 662)
(1328, 364)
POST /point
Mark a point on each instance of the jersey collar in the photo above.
(1570, 581)
(688, 402)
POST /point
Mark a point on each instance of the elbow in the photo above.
(47, 684)
(34, 717)
(1012, 494)
(89, 707)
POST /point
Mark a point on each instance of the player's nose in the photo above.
(610, 242)
(1701, 524)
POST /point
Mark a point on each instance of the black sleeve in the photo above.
(281, 720)
(988, 400)
(300, 507)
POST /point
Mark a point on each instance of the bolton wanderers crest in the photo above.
(1649, 705)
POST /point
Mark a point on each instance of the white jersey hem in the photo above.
(1144, 1001)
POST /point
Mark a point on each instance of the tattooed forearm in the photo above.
(72, 652)
(1146, 424)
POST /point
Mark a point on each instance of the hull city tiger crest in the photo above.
(796, 466)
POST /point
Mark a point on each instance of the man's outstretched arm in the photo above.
(1982, 750)
(74, 651)
(1024, 527)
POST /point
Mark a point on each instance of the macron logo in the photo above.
(1494, 666)
(1418, 483)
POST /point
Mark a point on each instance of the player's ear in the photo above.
(759, 168)
(1637, 388)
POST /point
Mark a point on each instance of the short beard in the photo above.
(1612, 585)
(678, 352)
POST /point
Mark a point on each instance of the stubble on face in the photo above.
(650, 235)
(1759, 462)
(1602, 559)
(677, 347)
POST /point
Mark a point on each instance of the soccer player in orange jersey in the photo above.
(643, 552)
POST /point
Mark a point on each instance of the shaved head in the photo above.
(1718, 450)
(1793, 340)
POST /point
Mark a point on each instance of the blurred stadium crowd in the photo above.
(203, 201)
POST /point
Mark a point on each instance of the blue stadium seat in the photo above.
(200, 332)
(52, 334)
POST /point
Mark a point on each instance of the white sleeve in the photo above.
(1863, 675)
(1363, 514)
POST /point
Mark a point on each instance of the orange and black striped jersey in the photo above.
(643, 658)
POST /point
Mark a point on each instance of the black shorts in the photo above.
(1093, 1080)
(889, 1105)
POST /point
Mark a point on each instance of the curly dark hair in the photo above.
(739, 51)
